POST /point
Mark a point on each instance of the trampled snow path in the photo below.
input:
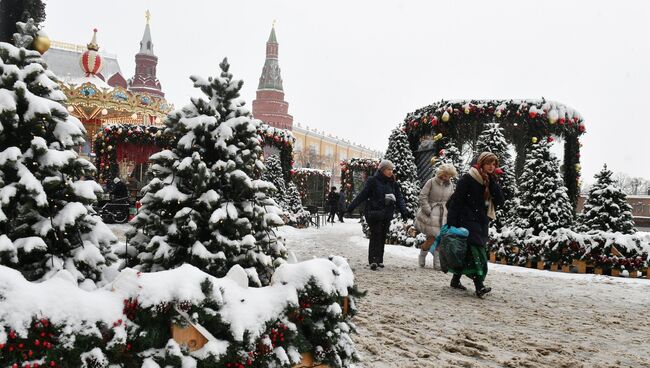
(411, 318)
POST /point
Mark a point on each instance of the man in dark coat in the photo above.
(382, 197)
(119, 192)
(341, 205)
(473, 206)
(332, 204)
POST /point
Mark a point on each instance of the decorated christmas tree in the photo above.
(47, 222)
(406, 172)
(273, 174)
(450, 154)
(492, 140)
(204, 206)
(544, 203)
(606, 208)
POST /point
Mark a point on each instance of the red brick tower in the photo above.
(269, 106)
(145, 79)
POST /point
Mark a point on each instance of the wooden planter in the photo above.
(345, 305)
(581, 265)
(307, 361)
(616, 272)
(541, 265)
(647, 273)
(529, 264)
(633, 274)
(598, 271)
(188, 336)
(493, 257)
(503, 261)
(566, 268)
(554, 267)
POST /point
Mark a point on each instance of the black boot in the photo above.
(455, 283)
(480, 288)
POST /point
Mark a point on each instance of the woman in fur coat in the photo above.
(433, 211)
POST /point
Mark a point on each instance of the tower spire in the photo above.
(146, 62)
(270, 106)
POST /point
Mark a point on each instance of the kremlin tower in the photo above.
(145, 79)
(270, 106)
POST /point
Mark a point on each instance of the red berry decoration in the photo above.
(52, 364)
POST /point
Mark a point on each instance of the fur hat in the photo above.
(385, 164)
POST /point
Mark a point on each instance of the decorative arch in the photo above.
(283, 141)
(523, 121)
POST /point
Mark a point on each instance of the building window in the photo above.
(298, 145)
(329, 151)
(342, 156)
(313, 148)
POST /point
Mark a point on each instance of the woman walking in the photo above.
(382, 197)
(472, 207)
(433, 211)
(332, 203)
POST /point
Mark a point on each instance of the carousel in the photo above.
(101, 107)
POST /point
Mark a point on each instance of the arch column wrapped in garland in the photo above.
(523, 122)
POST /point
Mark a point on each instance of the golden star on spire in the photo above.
(147, 16)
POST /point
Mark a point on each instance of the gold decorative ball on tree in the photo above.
(41, 42)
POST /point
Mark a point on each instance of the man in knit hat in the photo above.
(382, 197)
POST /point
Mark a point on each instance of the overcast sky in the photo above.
(356, 68)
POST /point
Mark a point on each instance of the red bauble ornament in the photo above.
(532, 114)
(550, 139)
(434, 121)
(561, 121)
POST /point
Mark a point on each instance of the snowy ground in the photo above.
(411, 318)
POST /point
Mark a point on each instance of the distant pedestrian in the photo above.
(473, 206)
(332, 204)
(433, 211)
(382, 197)
(120, 192)
(341, 205)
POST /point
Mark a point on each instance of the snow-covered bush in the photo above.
(128, 322)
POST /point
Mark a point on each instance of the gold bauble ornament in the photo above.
(498, 113)
(437, 137)
(534, 139)
(41, 43)
(445, 116)
(467, 110)
(433, 160)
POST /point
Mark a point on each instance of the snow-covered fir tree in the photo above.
(273, 174)
(47, 222)
(606, 207)
(544, 202)
(406, 171)
(492, 140)
(203, 205)
(450, 154)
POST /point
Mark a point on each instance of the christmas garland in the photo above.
(301, 176)
(348, 167)
(283, 140)
(523, 121)
(107, 140)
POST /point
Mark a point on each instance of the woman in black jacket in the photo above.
(382, 197)
(472, 206)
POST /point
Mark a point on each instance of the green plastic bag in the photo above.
(453, 250)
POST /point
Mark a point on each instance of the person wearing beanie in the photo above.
(382, 197)
(472, 206)
(432, 214)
